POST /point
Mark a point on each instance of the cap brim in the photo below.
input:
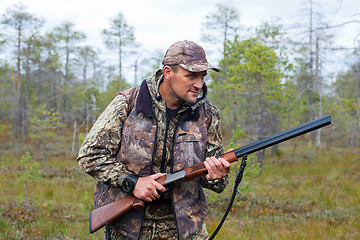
(199, 67)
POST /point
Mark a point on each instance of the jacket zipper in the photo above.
(163, 160)
(172, 170)
(152, 163)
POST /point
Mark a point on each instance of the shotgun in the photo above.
(107, 213)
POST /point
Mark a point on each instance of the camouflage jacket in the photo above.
(134, 137)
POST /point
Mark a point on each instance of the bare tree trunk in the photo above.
(226, 26)
(260, 123)
(94, 109)
(235, 112)
(17, 112)
(26, 97)
(135, 70)
(251, 119)
(60, 103)
(318, 87)
(358, 110)
(357, 76)
(120, 67)
(40, 85)
(17, 106)
(310, 78)
(310, 84)
(63, 87)
(87, 118)
(357, 70)
(54, 95)
(74, 142)
(274, 128)
(93, 119)
(352, 137)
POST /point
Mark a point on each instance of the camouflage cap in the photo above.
(188, 55)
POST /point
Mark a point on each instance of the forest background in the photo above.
(273, 77)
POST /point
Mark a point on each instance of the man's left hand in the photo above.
(216, 167)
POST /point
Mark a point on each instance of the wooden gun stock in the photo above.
(100, 216)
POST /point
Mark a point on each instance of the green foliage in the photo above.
(17, 17)
(251, 172)
(81, 139)
(28, 171)
(236, 135)
(4, 128)
(345, 105)
(111, 90)
(43, 124)
(251, 88)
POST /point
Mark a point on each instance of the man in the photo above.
(163, 126)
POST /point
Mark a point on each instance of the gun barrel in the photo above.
(283, 136)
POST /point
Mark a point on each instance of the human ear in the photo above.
(167, 72)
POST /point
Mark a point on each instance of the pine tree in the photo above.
(119, 36)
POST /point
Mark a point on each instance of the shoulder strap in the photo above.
(132, 99)
(130, 95)
(207, 112)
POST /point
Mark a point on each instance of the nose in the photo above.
(199, 82)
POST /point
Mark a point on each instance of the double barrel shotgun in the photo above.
(100, 216)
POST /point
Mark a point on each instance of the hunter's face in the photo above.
(185, 86)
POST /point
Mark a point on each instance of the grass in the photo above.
(59, 203)
(297, 196)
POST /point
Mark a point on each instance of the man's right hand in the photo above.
(147, 188)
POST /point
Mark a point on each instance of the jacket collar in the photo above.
(144, 101)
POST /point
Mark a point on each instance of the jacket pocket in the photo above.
(188, 150)
(188, 137)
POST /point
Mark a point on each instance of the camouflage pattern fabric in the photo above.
(115, 148)
(162, 232)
